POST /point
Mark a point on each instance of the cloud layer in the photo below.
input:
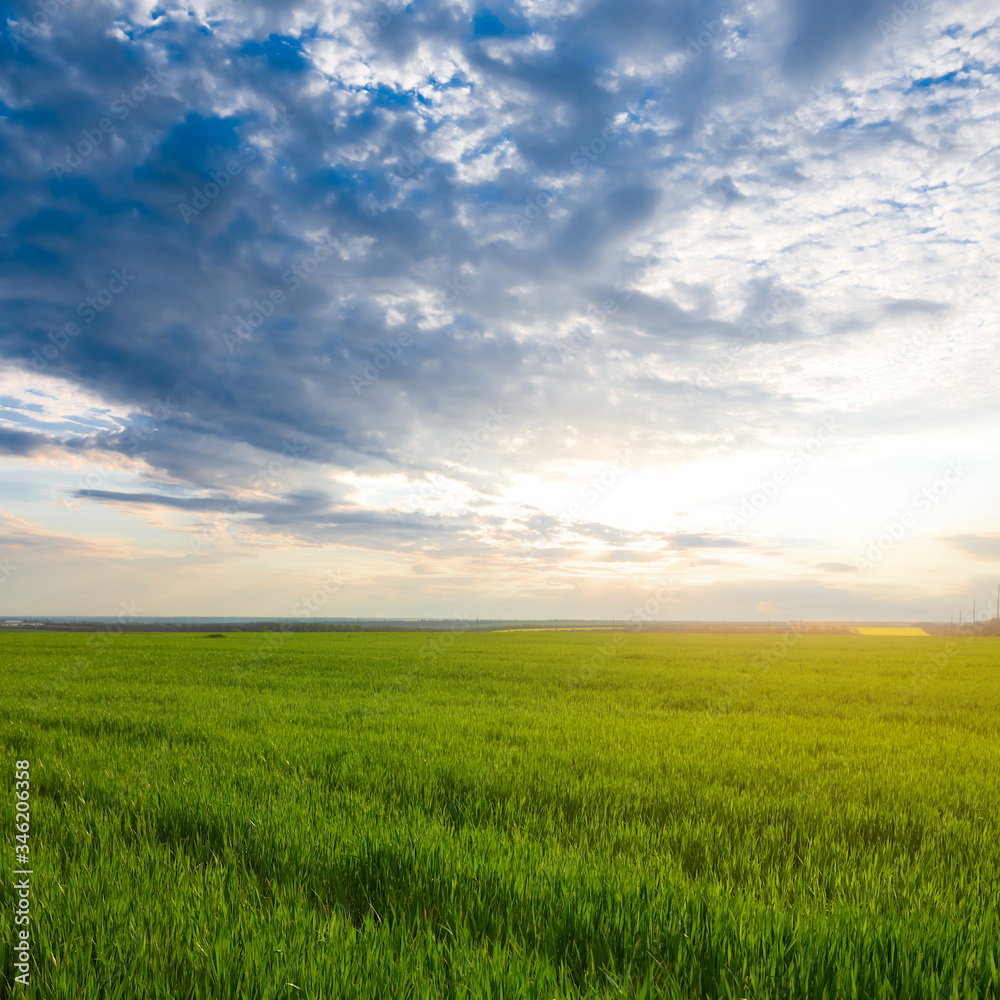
(409, 280)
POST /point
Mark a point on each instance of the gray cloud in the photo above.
(251, 176)
(15, 442)
(981, 546)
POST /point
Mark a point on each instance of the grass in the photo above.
(890, 630)
(543, 815)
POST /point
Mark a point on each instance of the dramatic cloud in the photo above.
(13, 442)
(526, 300)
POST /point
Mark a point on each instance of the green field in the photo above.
(508, 815)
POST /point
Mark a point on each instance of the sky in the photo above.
(556, 308)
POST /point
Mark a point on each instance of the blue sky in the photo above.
(517, 309)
